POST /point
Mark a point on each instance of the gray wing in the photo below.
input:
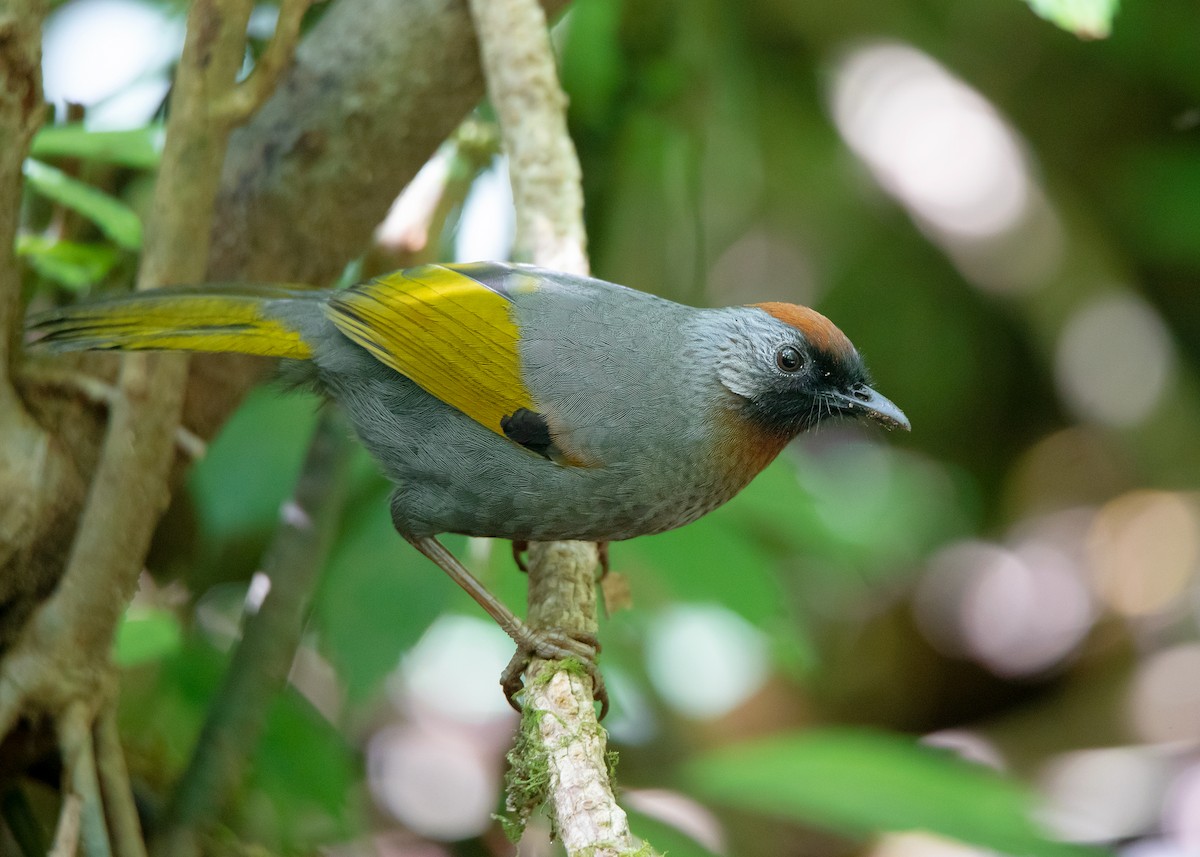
(606, 365)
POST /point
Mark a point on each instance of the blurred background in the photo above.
(1003, 216)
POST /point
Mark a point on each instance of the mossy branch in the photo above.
(559, 729)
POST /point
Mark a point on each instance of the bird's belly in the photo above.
(533, 499)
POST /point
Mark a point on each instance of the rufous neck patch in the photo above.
(817, 329)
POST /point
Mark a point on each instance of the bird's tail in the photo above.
(234, 319)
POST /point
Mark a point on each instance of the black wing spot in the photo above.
(529, 429)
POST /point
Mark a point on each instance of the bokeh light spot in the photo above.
(453, 668)
(1017, 612)
(436, 783)
(111, 56)
(1165, 697)
(1181, 817)
(488, 225)
(1114, 360)
(917, 843)
(705, 660)
(930, 140)
(1143, 549)
(1105, 794)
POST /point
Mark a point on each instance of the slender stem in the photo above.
(66, 833)
(263, 657)
(122, 813)
(248, 96)
(129, 487)
(79, 759)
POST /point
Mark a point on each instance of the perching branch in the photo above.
(262, 659)
(523, 86)
(522, 82)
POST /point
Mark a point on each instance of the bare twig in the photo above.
(96, 391)
(62, 654)
(79, 763)
(129, 488)
(239, 103)
(262, 659)
(523, 85)
(122, 813)
(66, 835)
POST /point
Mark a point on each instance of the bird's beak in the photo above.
(863, 401)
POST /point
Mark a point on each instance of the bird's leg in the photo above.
(550, 644)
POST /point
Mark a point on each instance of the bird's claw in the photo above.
(554, 645)
(519, 547)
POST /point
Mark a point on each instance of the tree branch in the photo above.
(21, 110)
(60, 665)
(523, 86)
(522, 83)
(129, 488)
(122, 813)
(66, 833)
(248, 96)
(80, 778)
(376, 87)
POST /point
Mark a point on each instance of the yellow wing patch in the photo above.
(450, 334)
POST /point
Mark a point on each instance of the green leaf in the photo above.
(115, 219)
(146, 635)
(140, 148)
(251, 467)
(70, 263)
(591, 62)
(378, 595)
(304, 774)
(666, 838)
(860, 782)
(1088, 19)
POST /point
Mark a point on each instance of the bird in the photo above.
(516, 402)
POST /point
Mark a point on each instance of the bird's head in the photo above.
(790, 368)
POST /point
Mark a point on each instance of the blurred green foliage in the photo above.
(862, 782)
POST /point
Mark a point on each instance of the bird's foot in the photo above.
(554, 645)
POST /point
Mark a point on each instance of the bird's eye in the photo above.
(789, 358)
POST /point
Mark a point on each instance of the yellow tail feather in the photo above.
(173, 320)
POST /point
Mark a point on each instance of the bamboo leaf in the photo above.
(140, 148)
(115, 219)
